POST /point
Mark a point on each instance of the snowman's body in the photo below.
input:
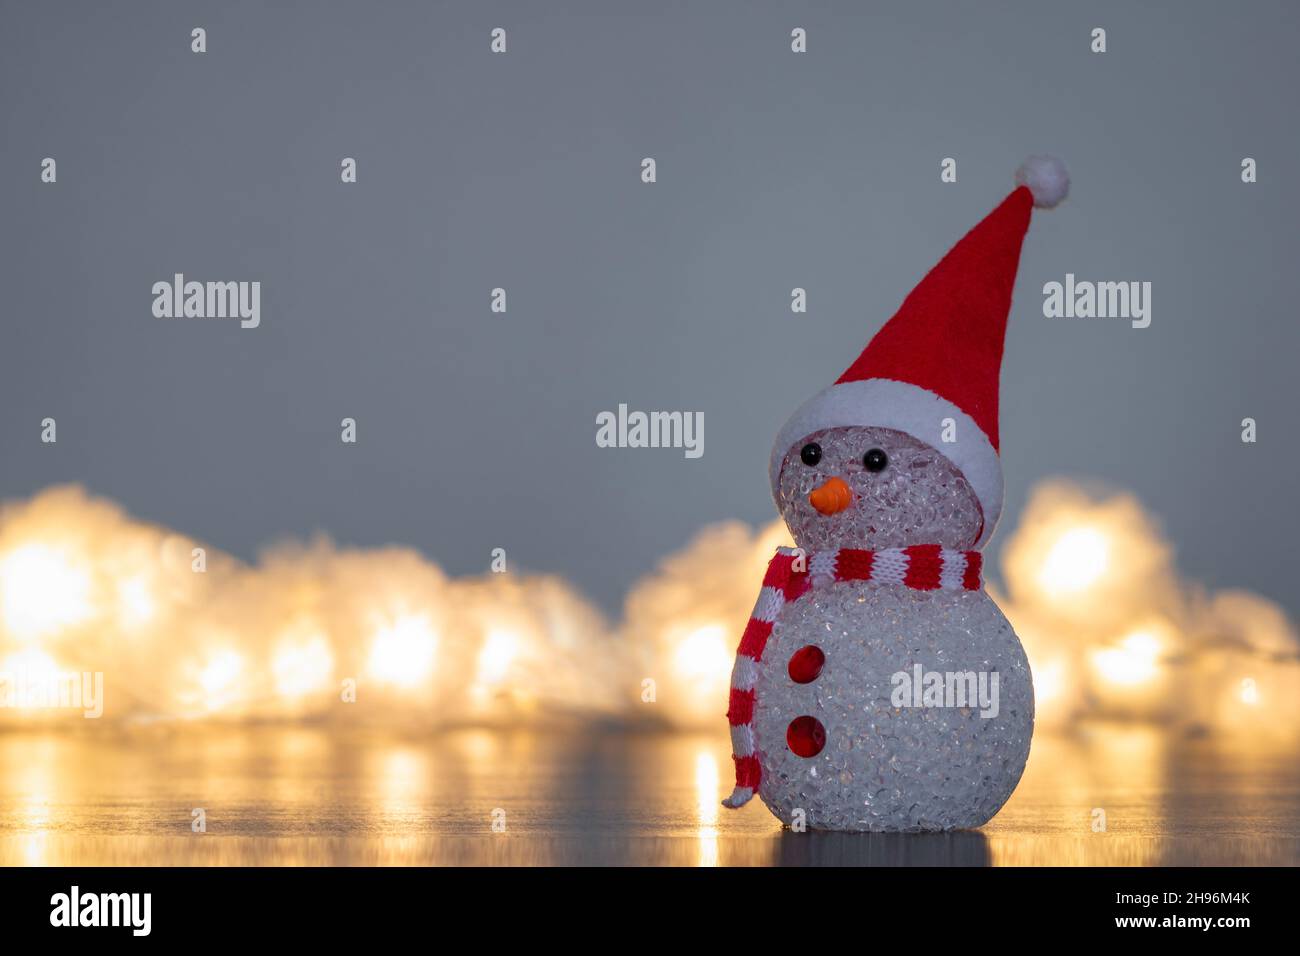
(917, 708)
(946, 764)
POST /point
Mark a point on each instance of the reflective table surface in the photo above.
(1128, 796)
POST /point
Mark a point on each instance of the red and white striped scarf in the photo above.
(790, 575)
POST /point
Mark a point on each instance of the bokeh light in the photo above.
(1134, 661)
(496, 656)
(403, 650)
(1076, 561)
(44, 589)
(302, 666)
(183, 631)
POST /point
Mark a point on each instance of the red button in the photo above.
(806, 736)
(806, 663)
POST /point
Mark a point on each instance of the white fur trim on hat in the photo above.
(884, 403)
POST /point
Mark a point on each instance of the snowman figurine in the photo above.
(877, 687)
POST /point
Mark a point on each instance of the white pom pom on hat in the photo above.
(1047, 178)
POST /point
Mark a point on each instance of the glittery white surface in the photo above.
(885, 767)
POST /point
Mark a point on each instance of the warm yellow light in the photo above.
(31, 666)
(706, 788)
(34, 848)
(1049, 679)
(220, 679)
(43, 589)
(302, 667)
(403, 651)
(1249, 691)
(703, 654)
(498, 653)
(221, 672)
(1077, 560)
(707, 800)
(1133, 662)
(135, 601)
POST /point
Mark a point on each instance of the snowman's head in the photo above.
(865, 487)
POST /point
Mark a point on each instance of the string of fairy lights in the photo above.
(179, 631)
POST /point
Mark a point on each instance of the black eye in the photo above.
(875, 460)
(811, 454)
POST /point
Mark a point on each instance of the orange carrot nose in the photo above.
(833, 495)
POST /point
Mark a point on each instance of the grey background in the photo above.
(775, 170)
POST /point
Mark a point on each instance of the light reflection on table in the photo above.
(292, 796)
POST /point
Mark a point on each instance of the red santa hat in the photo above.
(940, 356)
